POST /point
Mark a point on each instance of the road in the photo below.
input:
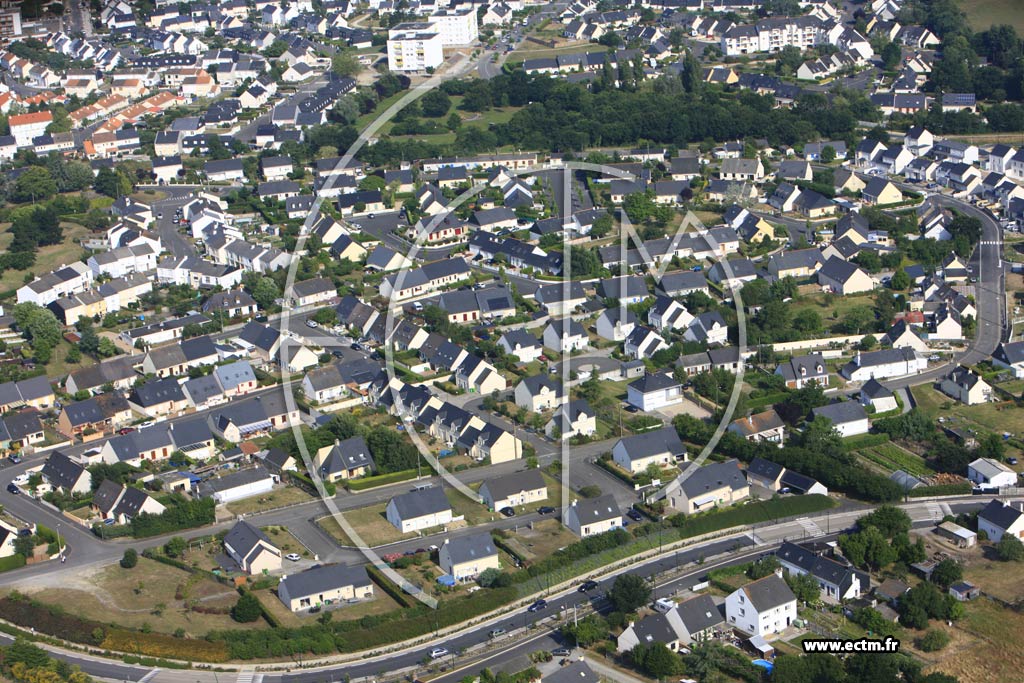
(695, 561)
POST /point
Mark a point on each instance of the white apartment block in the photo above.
(414, 47)
(773, 34)
(457, 27)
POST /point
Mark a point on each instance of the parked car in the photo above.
(561, 652)
(635, 515)
(15, 459)
(312, 323)
(11, 488)
(537, 606)
(545, 510)
(293, 557)
(508, 512)
(126, 430)
(438, 652)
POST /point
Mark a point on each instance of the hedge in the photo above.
(853, 443)
(305, 482)
(389, 587)
(267, 614)
(380, 480)
(766, 400)
(753, 513)
(11, 562)
(960, 489)
(502, 545)
(607, 466)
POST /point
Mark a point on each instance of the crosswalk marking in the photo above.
(810, 527)
(245, 676)
(934, 509)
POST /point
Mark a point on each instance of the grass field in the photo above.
(47, 258)
(147, 595)
(370, 523)
(832, 309)
(984, 13)
(997, 579)
(992, 648)
(279, 497)
(381, 604)
(543, 539)
(285, 541)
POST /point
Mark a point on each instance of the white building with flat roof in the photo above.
(457, 27)
(414, 47)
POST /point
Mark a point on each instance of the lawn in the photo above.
(147, 596)
(984, 13)
(279, 497)
(992, 649)
(542, 540)
(285, 541)
(996, 578)
(371, 525)
(380, 604)
(832, 309)
(994, 417)
(47, 258)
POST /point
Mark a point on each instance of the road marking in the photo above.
(246, 676)
(810, 527)
(148, 676)
(934, 509)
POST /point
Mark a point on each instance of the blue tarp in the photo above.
(446, 580)
(764, 664)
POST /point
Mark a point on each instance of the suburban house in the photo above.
(417, 510)
(565, 335)
(251, 549)
(998, 518)
(966, 386)
(689, 622)
(123, 503)
(539, 393)
(987, 473)
(466, 557)
(21, 429)
(764, 426)
(761, 607)
(158, 398)
(878, 396)
(702, 488)
(314, 291)
(63, 474)
(884, 363)
(34, 392)
(521, 344)
(838, 581)
(510, 490)
(344, 460)
(847, 417)
(592, 516)
(575, 418)
(800, 371)
(237, 485)
(92, 418)
(1011, 357)
(658, 447)
(324, 585)
(842, 277)
(654, 391)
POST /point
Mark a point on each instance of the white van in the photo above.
(664, 605)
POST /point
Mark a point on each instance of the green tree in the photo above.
(24, 545)
(888, 519)
(805, 587)
(900, 280)
(265, 292)
(130, 558)
(35, 184)
(933, 640)
(247, 609)
(656, 660)
(175, 547)
(891, 55)
(828, 154)
(629, 592)
(112, 183)
(435, 103)
(586, 631)
(1010, 549)
(346, 64)
(947, 572)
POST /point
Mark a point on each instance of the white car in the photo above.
(312, 323)
(438, 652)
(294, 557)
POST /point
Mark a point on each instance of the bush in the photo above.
(379, 480)
(129, 559)
(1010, 549)
(247, 610)
(941, 490)
(933, 641)
(11, 562)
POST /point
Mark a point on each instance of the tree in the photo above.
(175, 547)
(266, 292)
(947, 572)
(34, 185)
(804, 586)
(828, 154)
(900, 280)
(129, 559)
(114, 184)
(247, 609)
(346, 64)
(656, 660)
(1010, 549)
(24, 545)
(629, 592)
(888, 519)
(891, 55)
(435, 103)
(933, 640)
(587, 631)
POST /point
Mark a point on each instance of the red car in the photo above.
(126, 430)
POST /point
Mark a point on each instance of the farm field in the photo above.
(984, 13)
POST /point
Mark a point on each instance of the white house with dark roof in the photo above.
(847, 417)
(521, 344)
(998, 518)
(800, 371)
(417, 510)
(466, 557)
(660, 447)
(842, 277)
(565, 335)
(344, 460)
(761, 607)
(1011, 357)
(763, 426)
(966, 386)
(63, 474)
(539, 393)
(592, 516)
(836, 580)
(702, 488)
(575, 418)
(654, 391)
(237, 485)
(884, 363)
(880, 397)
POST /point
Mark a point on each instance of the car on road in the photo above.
(337, 353)
(507, 512)
(261, 318)
(160, 215)
(312, 323)
(355, 346)
(587, 586)
(15, 459)
(545, 510)
(438, 652)
(495, 632)
(537, 606)
(294, 557)
(934, 357)
(561, 652)
(12, 488)
(145, 425)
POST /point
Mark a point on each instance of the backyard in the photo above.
(280, 496)
(380, 604)
(150, 595)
